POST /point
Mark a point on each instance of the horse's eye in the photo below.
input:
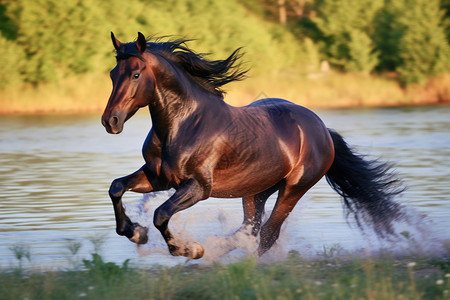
(136, 76)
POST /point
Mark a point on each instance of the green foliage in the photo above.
(105, 271)
(45, 41)
(12, 62)
(445, 7)
(64, 38)
(7, 26)
(362, 57)
(404, 36)
(411, 39)
(55, 35)
(21, 251)
(346, 27)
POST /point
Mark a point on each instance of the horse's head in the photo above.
(133, 83)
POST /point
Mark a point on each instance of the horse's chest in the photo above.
(179, 163)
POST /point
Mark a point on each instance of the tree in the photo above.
(445, 6)
(411, 39)
(12, 61)
(346, 27)
(58, 37)
(362, 56)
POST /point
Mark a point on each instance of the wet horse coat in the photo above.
(203, 147)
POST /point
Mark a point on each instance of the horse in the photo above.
(202, 147)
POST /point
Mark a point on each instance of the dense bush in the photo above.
(62, 38)
(406, 36)
(411, 39)
(46, 40)
(346, 27)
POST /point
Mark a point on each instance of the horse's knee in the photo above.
(121, 231)
(117, 189)
(124, 230)
(161, 218)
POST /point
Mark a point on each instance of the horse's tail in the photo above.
(367, 187)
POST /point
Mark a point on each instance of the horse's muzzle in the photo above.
(113, 124)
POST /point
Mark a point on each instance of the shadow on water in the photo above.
(55, 172)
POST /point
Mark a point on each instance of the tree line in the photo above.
(47, 40)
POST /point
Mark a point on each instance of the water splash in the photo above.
(216, 228)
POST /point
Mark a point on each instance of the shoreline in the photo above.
(336, 106)
(89, 93)
(318, 107)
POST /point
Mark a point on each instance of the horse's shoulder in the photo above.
(152, 146)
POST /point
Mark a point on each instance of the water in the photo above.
(55, 172)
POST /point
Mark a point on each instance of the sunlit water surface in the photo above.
(55, 172)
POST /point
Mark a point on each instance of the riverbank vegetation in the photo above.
(320, 53)
(331, 275)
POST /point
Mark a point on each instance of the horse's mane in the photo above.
(210, 74)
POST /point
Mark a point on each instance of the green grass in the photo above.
(329, 276)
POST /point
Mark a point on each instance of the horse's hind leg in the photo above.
(254, 209)
(253, 212)
(287, 199)
(141, 181)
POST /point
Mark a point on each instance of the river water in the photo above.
(55, 172)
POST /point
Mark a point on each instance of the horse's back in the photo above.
(280, 107)
(301, 129)
(285, 114)
(268, 101)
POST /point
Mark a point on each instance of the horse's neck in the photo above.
(176, 99)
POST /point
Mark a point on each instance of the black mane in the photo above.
(210, 74)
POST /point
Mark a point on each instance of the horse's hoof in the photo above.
(191, 250)
(196, 251)
(140, 235)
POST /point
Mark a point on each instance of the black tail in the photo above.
(367, 187)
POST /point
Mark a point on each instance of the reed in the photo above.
(89, 93)
(78, 94)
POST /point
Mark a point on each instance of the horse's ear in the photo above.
(141, 43)
(115, 41)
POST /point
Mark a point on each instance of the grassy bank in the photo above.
(328, 277)
(89, 93)
(332, 90)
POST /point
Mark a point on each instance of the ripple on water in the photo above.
(55, 172)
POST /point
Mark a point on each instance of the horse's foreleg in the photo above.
(186, 195)
(141, 181)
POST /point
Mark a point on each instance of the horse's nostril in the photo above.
(113, 121)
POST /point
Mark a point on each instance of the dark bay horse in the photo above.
(203, 147)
